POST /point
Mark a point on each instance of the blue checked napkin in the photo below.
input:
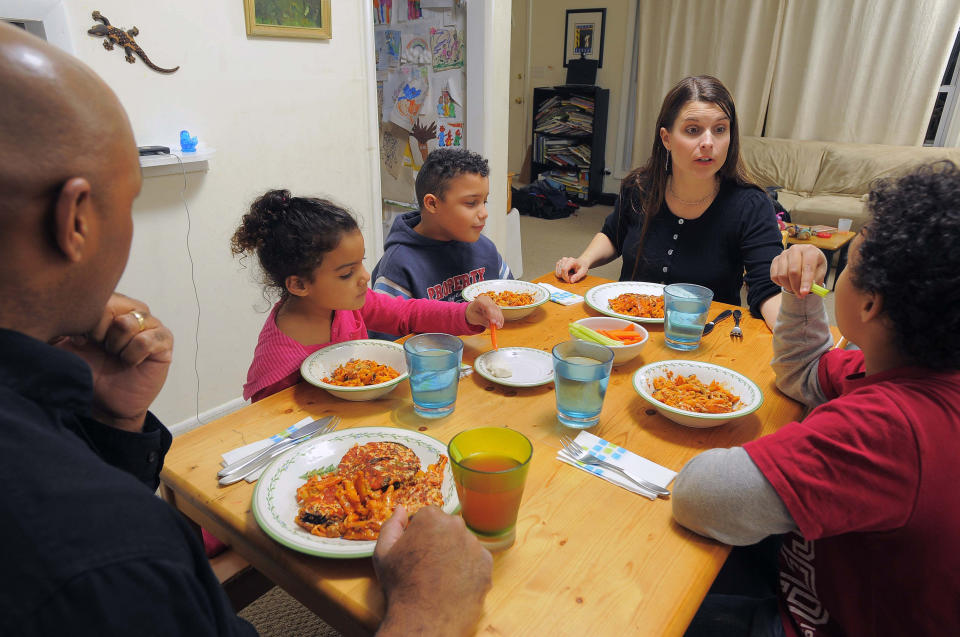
(563, 297)
(246, 450)
(631, 462)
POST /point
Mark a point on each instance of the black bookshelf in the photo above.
(572, 139)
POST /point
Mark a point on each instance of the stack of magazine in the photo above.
(571, 115)
(574, 182)
(561, 151)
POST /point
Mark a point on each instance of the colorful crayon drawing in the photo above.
(416, 49)
(414, 12)
(382, 11)
(450, 134)
(387, 49)
(447, 45)
(446, 107)
(583, 39)
(409, 97)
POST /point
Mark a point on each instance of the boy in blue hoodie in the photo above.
(437, 251)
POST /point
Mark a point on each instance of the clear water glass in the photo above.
(581, 373)
(685, 313)
(434, 364)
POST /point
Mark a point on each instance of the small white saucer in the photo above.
(529, 367)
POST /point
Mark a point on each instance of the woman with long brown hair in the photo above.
(691, 214)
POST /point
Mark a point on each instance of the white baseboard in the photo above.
(211, 414)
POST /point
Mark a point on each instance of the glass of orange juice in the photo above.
(489, 467)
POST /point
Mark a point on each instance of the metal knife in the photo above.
(299, 434)
(709, 326)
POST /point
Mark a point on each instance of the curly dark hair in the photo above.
(290, 234)
(909, 257)
(444, 164)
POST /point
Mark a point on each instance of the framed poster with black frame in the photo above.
(583, 36)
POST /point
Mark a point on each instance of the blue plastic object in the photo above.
(187, 144)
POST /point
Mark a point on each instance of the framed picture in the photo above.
(584, 35)
(288, 18)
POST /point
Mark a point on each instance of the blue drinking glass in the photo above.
(685, 308)
(581, 372)
(434, 364)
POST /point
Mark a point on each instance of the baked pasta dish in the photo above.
(355, 500)
(360, 373)
(689, 394)
(639, 305)
(510, 299)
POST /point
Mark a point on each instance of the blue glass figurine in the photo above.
(187, 144)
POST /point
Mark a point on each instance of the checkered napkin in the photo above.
(631, 462)
(246, 450)
(563, 297)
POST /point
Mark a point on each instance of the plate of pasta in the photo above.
(636, 301)
(328, 496)
(697, 394)
(356, 370)
(516, 298)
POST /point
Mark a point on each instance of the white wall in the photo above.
(279, 112)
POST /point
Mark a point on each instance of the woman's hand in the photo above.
(798, 267)
(483, 311)
(129, 353)
(571, 270)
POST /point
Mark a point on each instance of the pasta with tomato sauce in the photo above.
(370, 481)
(639, 305)
(689, 394)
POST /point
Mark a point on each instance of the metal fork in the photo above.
(736, 333)
(277, 450)
(580, 454)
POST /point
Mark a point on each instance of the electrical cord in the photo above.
(196, 293)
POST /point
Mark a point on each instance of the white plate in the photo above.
(599, 297)
(322, 363)
(275, 496)
(751, 397)
(540, 295)
(530, 367)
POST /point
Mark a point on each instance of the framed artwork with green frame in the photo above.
(288, 18)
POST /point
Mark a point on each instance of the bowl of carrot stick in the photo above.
(630, 336)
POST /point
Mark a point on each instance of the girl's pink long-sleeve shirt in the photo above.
(277, 357)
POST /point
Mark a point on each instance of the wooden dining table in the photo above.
(590, 558)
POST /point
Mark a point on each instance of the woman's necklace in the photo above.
(716, 188)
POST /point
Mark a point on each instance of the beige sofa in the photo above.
(825, 181)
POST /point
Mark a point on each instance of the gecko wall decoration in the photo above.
(112, 35)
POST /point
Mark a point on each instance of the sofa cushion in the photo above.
(850, 169)
(826, 209)
(788, 163)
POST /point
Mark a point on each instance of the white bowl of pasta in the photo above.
(357, 370)
(721, 393)
(516, 299)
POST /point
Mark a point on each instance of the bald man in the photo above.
(86, 547)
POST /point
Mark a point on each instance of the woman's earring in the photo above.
(666, 165)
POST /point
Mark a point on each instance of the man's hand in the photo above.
(483, 311)
(571, 270)
(434, 574)
(129, 352)
(797, 268)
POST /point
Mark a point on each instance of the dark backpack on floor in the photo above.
(540, 199)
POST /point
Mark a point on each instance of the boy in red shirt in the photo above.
(865, 487)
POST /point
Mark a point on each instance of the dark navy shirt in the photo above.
(86, 546)
(733, 241)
